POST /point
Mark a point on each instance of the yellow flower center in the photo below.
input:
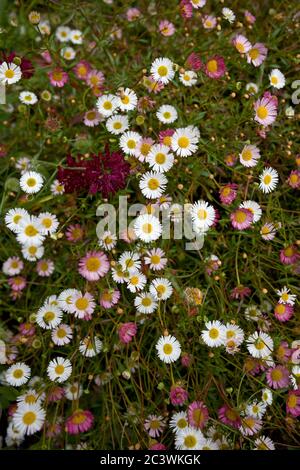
(213, 333)
(267, 179)
(276, 375)
(93, 264)
(61, 333)
(183, 142)
(29, 418)
(107, 105)
(9, 73)
(30, 231)
(240, 216)
(17, 218)
(117, 125)
(167, 140)
(91, 115)
(202, 214)
(153, 183)
(292, 401)
(280, 309)
(146, 302)
(212, 66)
(262, 112)
(134, 280)
(48, 317)
(131, 144)
(82, 303)
(78, 418)
(168, 348)
(247, 155)
(190, 441)
(125, 100)
(31, 182)
(182, 423)
(155, 259)
(59, 369)
(18, 373)
(167, 115)
(160, 158)
(240, 47)
(254, 53)
(259, 344)
(160, 289)
(162, 70)
(30, 399)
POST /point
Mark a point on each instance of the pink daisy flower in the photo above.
(17, 283)
(228, 193)
(109, 297)
(186, 9)
(230, 160)
(55, 394)
(257, 54)
(47, 57)
(268, 231)
(154, 425)
(266, 110)
(127, 332)
(294, 179)
(242, 44)
(293, 403)
(153, 85)
(12, 266)
(197, 414)
(53, 429)
(82, 69)
(283, 312)
(250, 425)
(80, 421)
(241, 219)
(93, 265)
(27, 329)
(289, 255)
(194, 62)
(186, 360)
(74, 233)
(283, 352)
(178, 395)
(229, 416)
(58, 77)
(215, 67)
(132, 14)
(91, 118)
(165, 137)
(143, 148)
(278, 377)
(83, 305)
(95, 78)
(209, 22)
(249, 17)
(166, 28)
(45, 267)
(240, 292)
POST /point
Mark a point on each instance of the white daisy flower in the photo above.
(252, 88)
(23, 164)
(17, 374)
(59, 369)
(233, 333)
(156, 258)
(48, 222)
(14, 217)
(253, 313)
(129, 142)
(107, 104)
(264, 443)
(27, 97)
(31, 182)
(184, 141)
(189, 438)
(29, 418)
(166, 114)
(268, 180)
(153, 184)
(68, 53)
(179, 421)
(168, 349)
(267, 396)
(44, 27)
(10, 73)
(249, 156)
(118, 275)
(259, 344)
(127, 100)
(130, 261)
(65, 300)
(12, 266)
(57, 188)
(49, 316)
(83, 305)
(30, 397)
(215, 334)
(90, 347)
(161, 288)
(203, 215)
(108, 241)
(136, 281)
(62, 33)
(277, 79)
(254, 208)
(160, 158)
(285, 297)
(117, 124)
(30, 231)
(198, 3)
(188, 78)
(75, 36)
(147, 228)
(256, 409)
(145, 303)
(32, 252)
(73, 391)
(162, 70)
(62, 335)
(228, 15)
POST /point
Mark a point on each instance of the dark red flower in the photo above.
(26, 65)
(105, 173)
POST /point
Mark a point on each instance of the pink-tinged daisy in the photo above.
(229, 416)
(228, 193)
(27, 329)
(257, 54)
(285, 297)
(230, 160)
(82, 69)
(289, 255)
(133, 14)
(240, 292)
(266, 110)
(83, 305)
(74, 233)
(12, 266)
(152, 85)
(154, 425)
(92, 118)
(178, 395)
(268, 231)
(209, 22)
(17, 283)
(143, 148)
(241, 219)
(166, 28)
(93, 265)
(58, 77)
(197, 414)
(294, 179)
(165, 137)
(242, 44)
(215, 67)
(109, 297)
(127, 332)
(80, 421)
(249, 156)
(45, 267)
(293, 403)
(278, 377)
(194, 62)
(249, 17)
(283, 312)
(250, 425)
(55, 394)
(283, 352)
(156, 259)
(95, 79)
(186, 9)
